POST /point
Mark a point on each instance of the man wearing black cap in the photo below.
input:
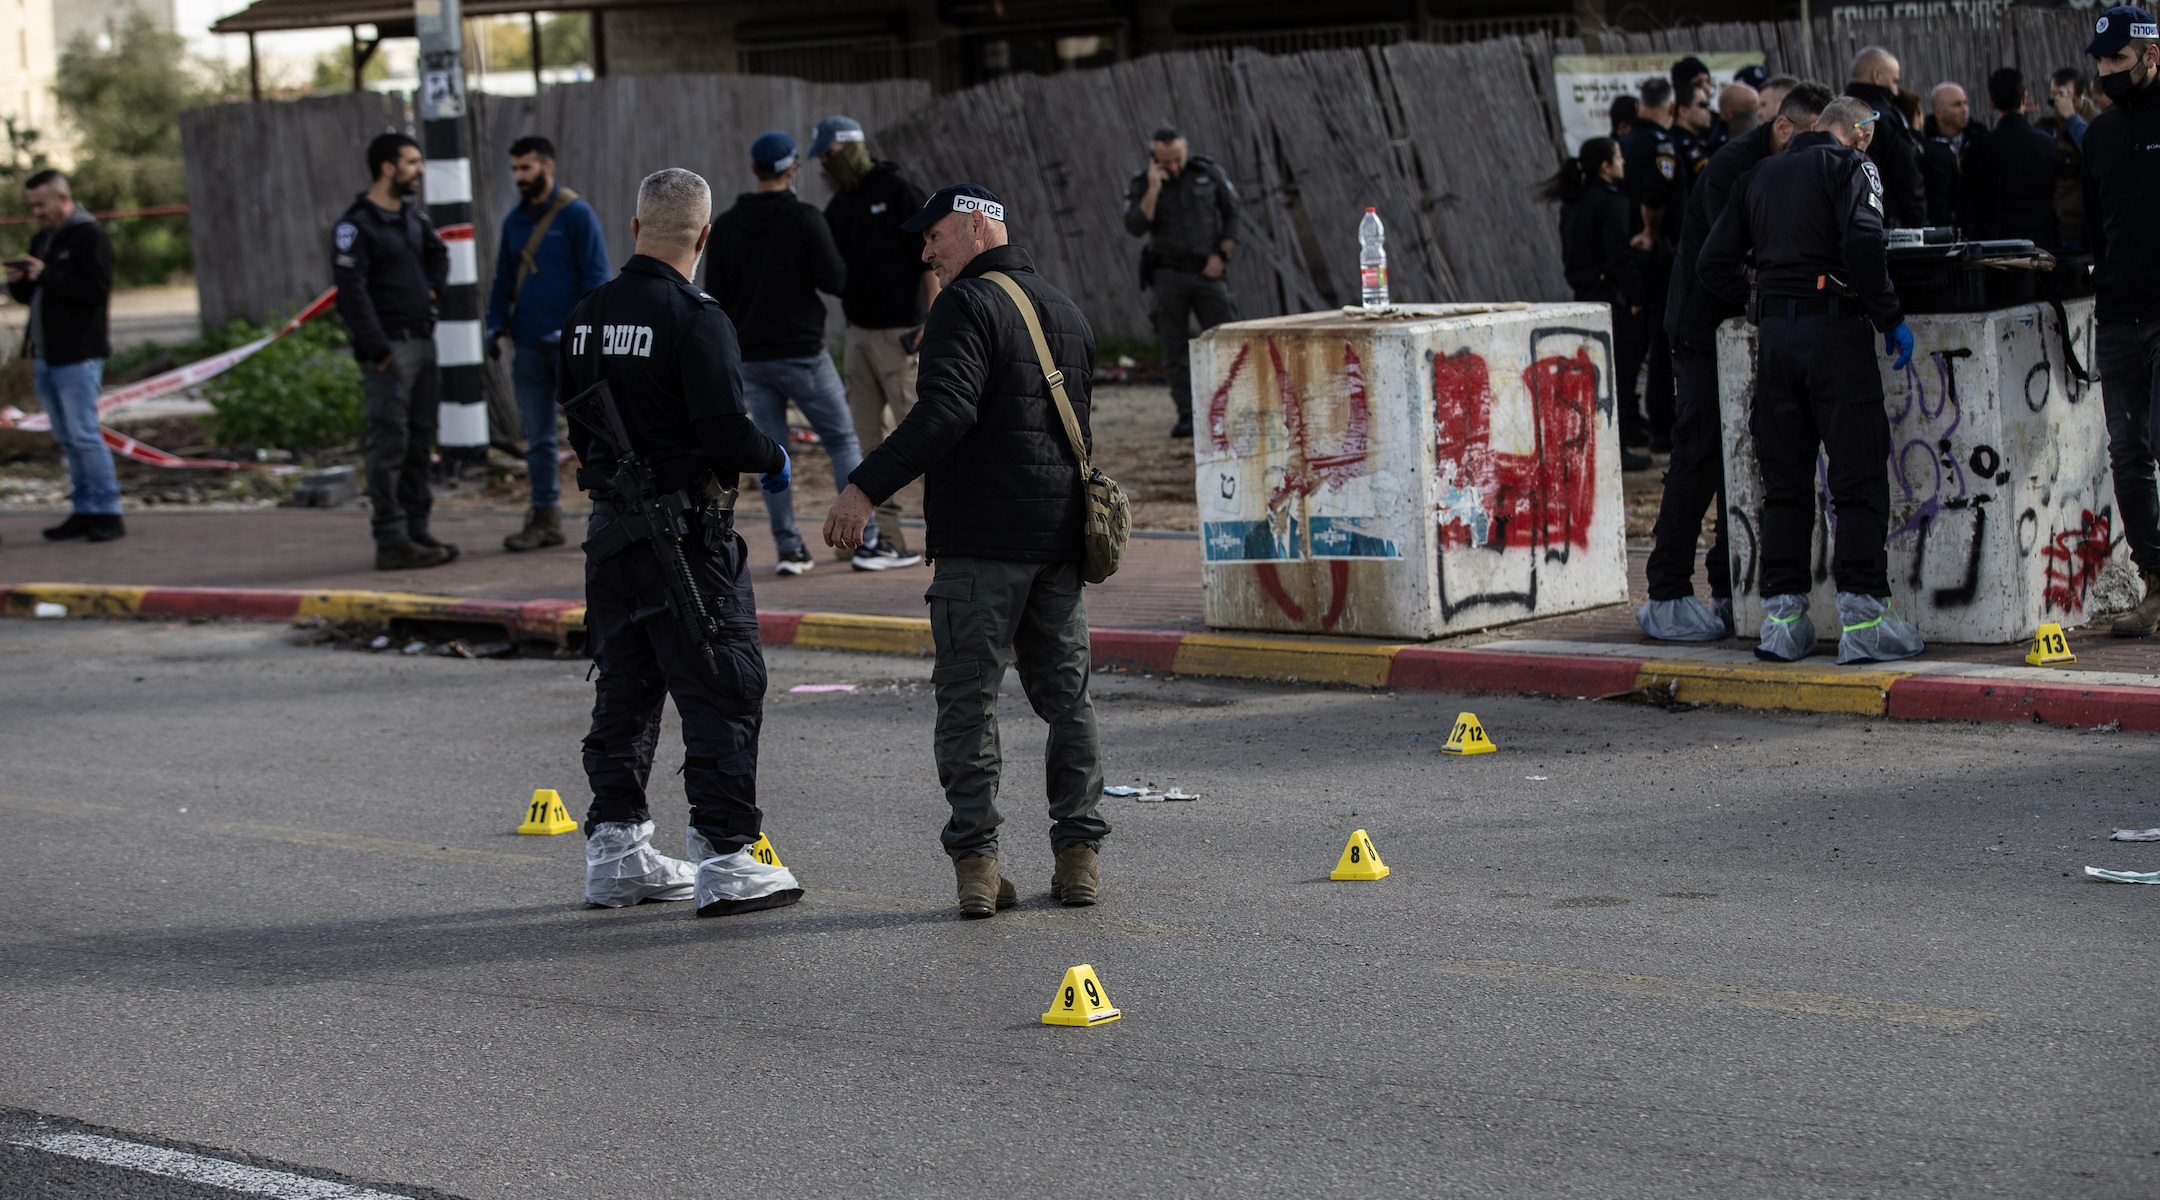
(1004, 506)
(1185, 206)
(2122, 192)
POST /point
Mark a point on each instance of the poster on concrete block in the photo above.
(1325, 442)
(1585, 85)
(2002, 506)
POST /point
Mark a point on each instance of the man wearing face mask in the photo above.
(2122, 192)
(887, 293)
(1695, 479)
(1185, 206)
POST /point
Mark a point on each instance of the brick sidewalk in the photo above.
(1158, 588)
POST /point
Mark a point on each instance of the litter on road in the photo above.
(2124, 876)
(2137, 835)
(1150, 794)
(822, 687)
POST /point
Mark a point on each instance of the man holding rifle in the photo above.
(651, 379)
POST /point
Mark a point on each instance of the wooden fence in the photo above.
(1446, 141)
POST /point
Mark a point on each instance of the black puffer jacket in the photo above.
(1003, 482)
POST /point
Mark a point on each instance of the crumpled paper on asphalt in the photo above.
(2136, 835)
(2124, 876)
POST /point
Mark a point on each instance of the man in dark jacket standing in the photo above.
(1005, 509)
(1895, 149)
(67, 282)
(887, 293)
(2008, 177)
(389, 267)
(1695, 479)
(551, 253)
(771, 256)
(1656, 183)
(1185, 206)
(2122, 192)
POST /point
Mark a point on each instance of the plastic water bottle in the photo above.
(1372, 259)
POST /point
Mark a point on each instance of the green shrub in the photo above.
(300, 393)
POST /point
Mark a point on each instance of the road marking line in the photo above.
(1722, 993)
(194, 1168)
(373, 845)
(63, 808)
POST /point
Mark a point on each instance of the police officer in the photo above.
(1812, 219)
(1655, 186)
(669, 356)
(389, 267)
(1695, 478)
(1188, 210)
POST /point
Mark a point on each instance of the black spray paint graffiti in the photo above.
(1928, 471)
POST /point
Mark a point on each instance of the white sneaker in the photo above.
(795, 562)
(622, 868)
(737, 883)
(883, 557)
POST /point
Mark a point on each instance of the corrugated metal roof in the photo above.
(264, 16)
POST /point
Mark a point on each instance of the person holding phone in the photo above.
(887, 293)
(1187, 208)
(67, 281)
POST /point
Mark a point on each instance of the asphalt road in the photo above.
(266, 900)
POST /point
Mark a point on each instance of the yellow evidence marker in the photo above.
(1080, 1000)
(1468, 737)
(1359, 860)
(2049, 648)
(545, 814)
(762, 850)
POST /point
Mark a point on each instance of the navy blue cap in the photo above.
(2117, 26)
(960, 197)
(1754, 76)
(832, 130)
(774, 150)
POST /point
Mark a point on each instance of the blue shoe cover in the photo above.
(1871, 634)
(1682, 620)
(1787, 633)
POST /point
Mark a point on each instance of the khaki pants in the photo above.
(880, 380)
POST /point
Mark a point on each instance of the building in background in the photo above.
(29, 58)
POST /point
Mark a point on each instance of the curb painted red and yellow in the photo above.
(1865, 692)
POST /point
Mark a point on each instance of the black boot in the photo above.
(104, 527)
(77, 525)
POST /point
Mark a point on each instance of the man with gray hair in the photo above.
(667, 354)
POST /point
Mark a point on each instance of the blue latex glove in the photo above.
(1899, 342)
(776, 482)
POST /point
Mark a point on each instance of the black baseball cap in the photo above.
(2117, 26)
(959, 197)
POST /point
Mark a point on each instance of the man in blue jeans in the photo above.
(67, 282)
(550, 254)
(771, 255)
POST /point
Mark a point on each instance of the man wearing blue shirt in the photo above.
(550, 254)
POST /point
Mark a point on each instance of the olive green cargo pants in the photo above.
(983, 610)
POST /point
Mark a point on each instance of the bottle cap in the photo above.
(1372, 210)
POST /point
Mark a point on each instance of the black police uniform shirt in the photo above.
(2122, 196)
(1895, 151)
(1815, 210)
(385, 264)
(1196, 212)
(2009, 184)
(1652, 178)
(669, 355)
(1594, 252)
(1692, 311)
(884, 262)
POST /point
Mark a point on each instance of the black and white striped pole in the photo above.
(463, 432)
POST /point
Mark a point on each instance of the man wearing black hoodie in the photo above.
(771, 256)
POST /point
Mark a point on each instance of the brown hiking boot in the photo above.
(2145, 617)
(543, 527)
(1077, 876)
(407, 556)
(982, 890)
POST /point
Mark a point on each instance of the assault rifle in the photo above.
(645, 514)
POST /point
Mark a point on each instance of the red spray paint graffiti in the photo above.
(1306, 472)
(1544, 498)
(1220, 401)
(2074, 559)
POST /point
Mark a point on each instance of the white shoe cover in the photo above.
(1721, 608)
(728, 879)
(1682, 620)
(1870, 633)
(1787, 633)
(622, 868)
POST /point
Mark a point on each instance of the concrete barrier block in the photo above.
(1453, 469)
(2001, 503)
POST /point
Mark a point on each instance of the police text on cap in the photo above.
(989, 208)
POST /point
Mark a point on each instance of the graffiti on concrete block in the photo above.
(2073, 561)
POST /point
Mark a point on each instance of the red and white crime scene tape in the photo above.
(173, 381)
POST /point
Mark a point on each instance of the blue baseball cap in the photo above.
(1755, 76)
(773, 151)
(2117, 26)
(960, 197)
(832, 130)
